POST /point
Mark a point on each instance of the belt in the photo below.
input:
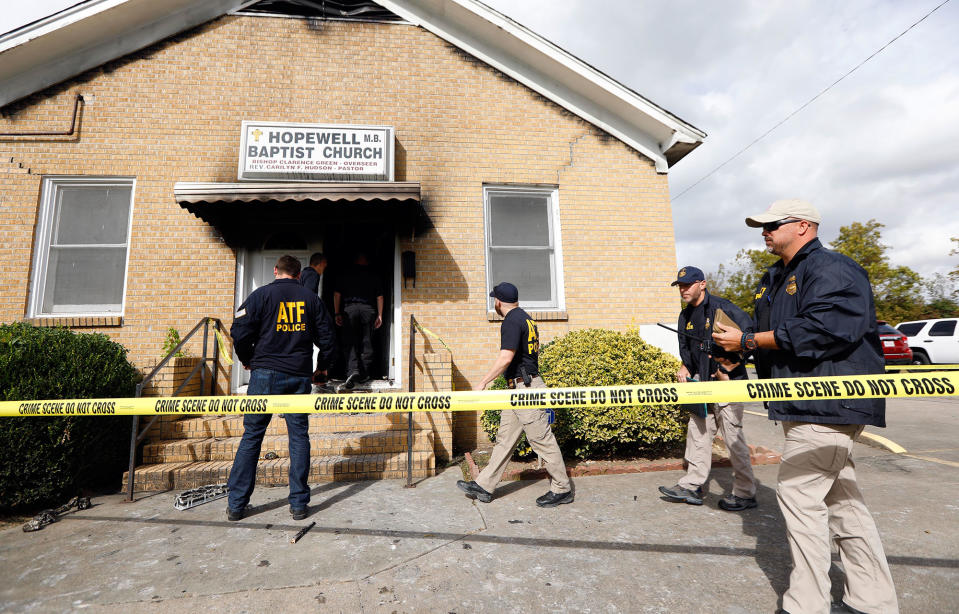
(511, 382)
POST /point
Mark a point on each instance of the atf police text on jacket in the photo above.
(270, 329)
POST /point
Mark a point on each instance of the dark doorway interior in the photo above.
(341, 243)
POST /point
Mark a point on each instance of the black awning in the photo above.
(237, 208)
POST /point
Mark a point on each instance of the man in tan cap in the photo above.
(815, 317)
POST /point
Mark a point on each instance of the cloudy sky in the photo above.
(882, 144)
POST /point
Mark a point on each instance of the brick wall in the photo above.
(172, 112)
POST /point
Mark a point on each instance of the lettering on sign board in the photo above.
(315, 152)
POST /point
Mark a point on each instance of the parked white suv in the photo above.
(933, 341)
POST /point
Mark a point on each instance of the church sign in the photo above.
(282, 151)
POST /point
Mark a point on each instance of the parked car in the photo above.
(895, 345)
(932, 341)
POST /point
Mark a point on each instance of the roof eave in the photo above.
(559, 76)
(72, 41)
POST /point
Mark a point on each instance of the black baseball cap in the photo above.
(505, 292)
(688, 275)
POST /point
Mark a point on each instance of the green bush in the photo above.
(597, 357)
(45, 460)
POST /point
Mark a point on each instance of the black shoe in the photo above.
(734, 503)
(234, 515)
(840, 607)
(474, 491)
(678, 494)
(363, 379)
(552, 499)
(299, 513)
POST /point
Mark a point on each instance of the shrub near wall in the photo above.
(47, 459)
(597, 357)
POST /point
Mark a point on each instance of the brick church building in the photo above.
(156, 158)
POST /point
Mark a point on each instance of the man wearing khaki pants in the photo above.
(696, 322)
(815, 317)
(518, 361)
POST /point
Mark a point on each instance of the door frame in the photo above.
(396, 360)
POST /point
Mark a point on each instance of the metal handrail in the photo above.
(409, 419)
(136, 435)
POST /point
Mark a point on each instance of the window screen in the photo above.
(80, 265)
(522, 243)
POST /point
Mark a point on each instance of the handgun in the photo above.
(526, 377)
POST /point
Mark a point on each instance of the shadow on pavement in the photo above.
(772, 556)
(506, 488)
(580, 544)
(354, 488)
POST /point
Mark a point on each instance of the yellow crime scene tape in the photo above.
(430, 333)
(944, 384)
(225, 352)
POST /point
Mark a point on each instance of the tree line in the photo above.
(901, 294)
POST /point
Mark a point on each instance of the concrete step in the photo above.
(203, 427)
(343, 443)
(185, 475)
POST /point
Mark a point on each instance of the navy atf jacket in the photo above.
(692, 353)
(821, 310)
(277, 326)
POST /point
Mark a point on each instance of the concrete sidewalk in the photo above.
(378, 547)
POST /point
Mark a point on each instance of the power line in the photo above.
(807, 103)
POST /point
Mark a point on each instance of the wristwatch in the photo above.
(749, 341)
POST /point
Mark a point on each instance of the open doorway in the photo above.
(343, 241)
(339, 241)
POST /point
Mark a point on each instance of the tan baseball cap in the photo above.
(785, 209)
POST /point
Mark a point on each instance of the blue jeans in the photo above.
(243, 474)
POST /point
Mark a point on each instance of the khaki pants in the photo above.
(535, 423)
(819, 498)
(728, 420)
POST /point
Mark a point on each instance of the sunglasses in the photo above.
(771, 226)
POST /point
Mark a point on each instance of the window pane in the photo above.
(91, 214)
(84, 279)
(943, 329)
(519, 220)
(528, 270)
(911, 329)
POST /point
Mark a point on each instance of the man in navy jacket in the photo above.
(274, 332)
(814, 316)
(311, 275)
(696, 322)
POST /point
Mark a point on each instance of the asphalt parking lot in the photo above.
(378, 547)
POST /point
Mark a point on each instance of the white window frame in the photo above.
(551, 193)
(51, 186)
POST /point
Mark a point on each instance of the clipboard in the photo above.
(725, 321)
